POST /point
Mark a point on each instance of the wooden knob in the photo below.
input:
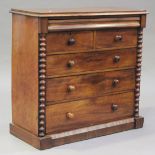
(71, 63)
(115, 82)
(71, 41)
(116, 59)
(118, 38)
(114, 107)
(71, 88)
(70, 115)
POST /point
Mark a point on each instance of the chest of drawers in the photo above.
(75, 74)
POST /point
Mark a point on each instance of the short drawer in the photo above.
(116, 38)
(88, 112)
(69, 41)
(58, 65)
(90, 85)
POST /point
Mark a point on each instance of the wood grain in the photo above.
(75, 73)
(138, 71)
(91, 128)
(139, 121)
(48, 142)
(25, 72)
(78, 12)
(143, 21)
(58, 41)
(88, 112)
(66, 26)
(89, 20)
(25, 135)
(58, 65)
(106, 38)
(90, 85)
(42, 85)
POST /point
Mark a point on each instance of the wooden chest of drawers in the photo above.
(75, 74)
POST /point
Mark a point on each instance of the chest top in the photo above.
(77, 12)
(86, 18)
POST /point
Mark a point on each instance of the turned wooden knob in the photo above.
(118, 38)
(71, 41)
(70, 115)
(115, 82)
(71, 88)
(114, 107)
(116, 59)
(71, 63)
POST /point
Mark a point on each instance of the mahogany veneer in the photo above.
(75, 74)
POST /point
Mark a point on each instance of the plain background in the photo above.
(135, 142)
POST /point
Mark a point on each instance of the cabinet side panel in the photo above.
(25, 72)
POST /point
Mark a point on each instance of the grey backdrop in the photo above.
(135, 142)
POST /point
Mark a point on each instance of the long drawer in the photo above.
(58, 65)
(90, 85)
(82, 113)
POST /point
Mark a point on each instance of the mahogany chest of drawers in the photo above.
(75, 74)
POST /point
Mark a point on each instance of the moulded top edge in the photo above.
(77, 12)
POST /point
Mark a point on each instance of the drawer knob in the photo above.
(70, 115)
(118, 38)
(71, 88)
(114, 107)
(71, 63)
(115, 82)
(71, 41)
(116, 58)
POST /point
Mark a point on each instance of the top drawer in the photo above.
(91, 40)
(116, 38)
(88, 40)
(69, 41)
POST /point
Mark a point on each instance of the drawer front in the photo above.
(117, 38)
(82, 113)
(69, 41)
(85, 62)
(84, 86)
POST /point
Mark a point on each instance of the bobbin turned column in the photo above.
(138, 120)
(42, 85)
